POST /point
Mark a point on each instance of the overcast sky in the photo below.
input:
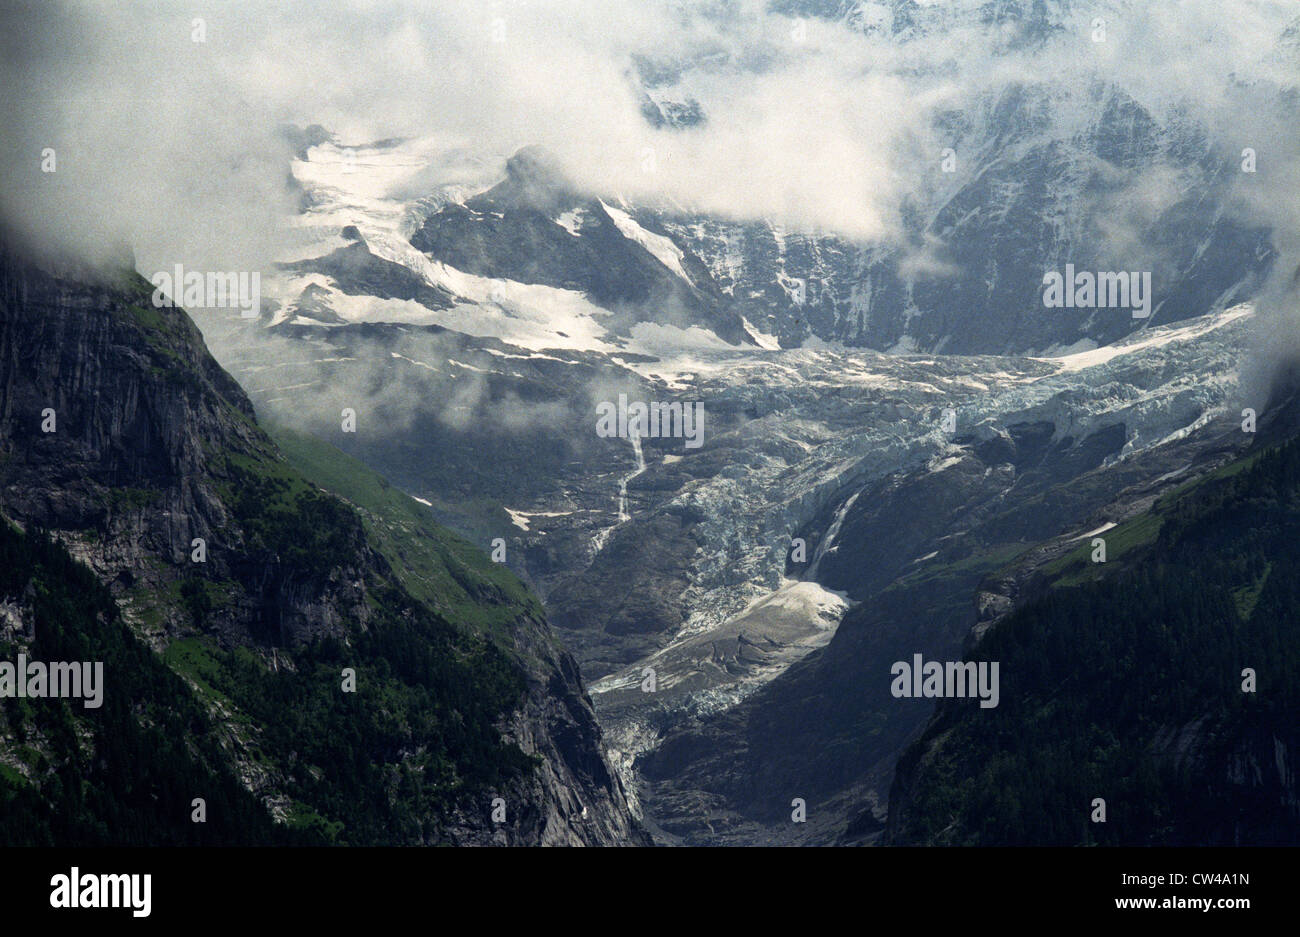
(168, 143)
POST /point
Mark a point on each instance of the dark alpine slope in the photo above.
(151, 524)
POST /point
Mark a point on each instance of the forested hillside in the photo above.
(1131, 681)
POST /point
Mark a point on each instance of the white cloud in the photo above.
(170, 143)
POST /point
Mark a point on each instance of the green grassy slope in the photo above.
(435, 565)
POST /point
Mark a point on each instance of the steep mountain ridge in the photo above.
(129, 444)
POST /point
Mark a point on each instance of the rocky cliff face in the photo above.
(148, 441)
(1051, 167)
(123, 438)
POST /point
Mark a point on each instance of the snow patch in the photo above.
(761, 339)
(938, 465)
(1092, 533)
(660, 247)
(1155, 338)
(572, 220)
